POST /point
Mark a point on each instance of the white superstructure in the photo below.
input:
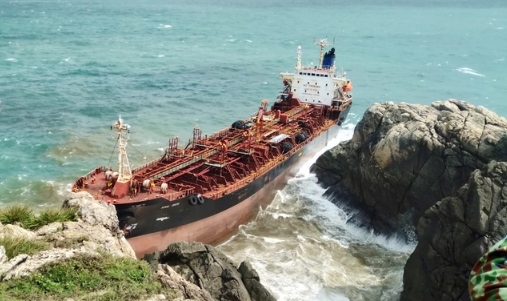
(319, 85)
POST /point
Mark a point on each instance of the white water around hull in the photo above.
(303, 248)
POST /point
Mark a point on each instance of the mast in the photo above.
(322, 43)
(124, 172)
(298, 62)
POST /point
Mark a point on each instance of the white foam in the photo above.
(164, 26)
(469, 71)
(344, 134)
(281, 215)
(335, 218)
(272, 240)
(11, 59)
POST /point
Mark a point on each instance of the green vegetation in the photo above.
(87, 278)
(82, 278)
(24, 216)
(19, 245)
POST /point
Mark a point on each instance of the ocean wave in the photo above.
(469, 71)
(11, 59)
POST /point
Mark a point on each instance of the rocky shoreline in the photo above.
(185, 271)
(436, 172)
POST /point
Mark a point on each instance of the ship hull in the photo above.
(153, 224)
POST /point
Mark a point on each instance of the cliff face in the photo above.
(404, 158)
(429, 168)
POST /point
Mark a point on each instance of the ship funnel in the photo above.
(329, 58)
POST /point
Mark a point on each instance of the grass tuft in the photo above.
(16, 214)
(19, 245)
(24, 216)
(52, 215)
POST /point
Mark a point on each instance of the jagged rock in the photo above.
(94, 212)
(97, 227)
(87, 236)
(188, 290)
(206, 267)
(23, 265)
(15, 231)
(403, 158)
(252, 283)
(433, 168)
(454, 233)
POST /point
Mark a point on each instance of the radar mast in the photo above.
(322, 43)
(122, 130)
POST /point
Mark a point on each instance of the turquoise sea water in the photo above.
(69, 68)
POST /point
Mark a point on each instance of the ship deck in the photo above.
(215, 165)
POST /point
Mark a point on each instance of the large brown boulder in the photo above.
(403, 158)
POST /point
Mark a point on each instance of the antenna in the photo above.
(298, 62)
(322, 43)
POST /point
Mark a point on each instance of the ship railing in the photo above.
(220, 134)
(180, 166)
(94, 172)
(243, 181)
(176, 195)
(146, 165)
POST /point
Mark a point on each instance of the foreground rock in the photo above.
(96, 230)
(430, 168)
(209, 269)
(454, 233)
(206, 273)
